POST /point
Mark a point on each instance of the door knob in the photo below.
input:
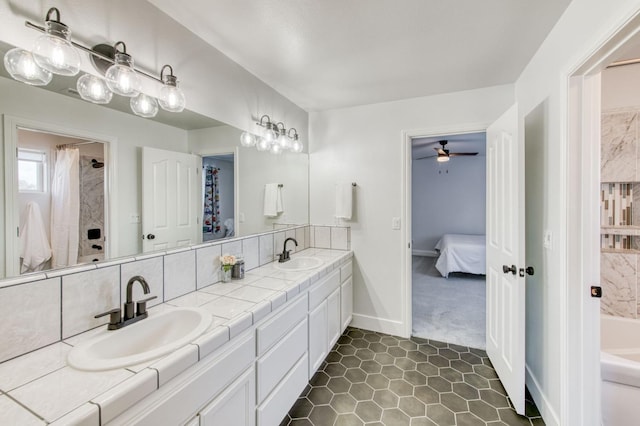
(506, 269)
(529, 270)
(150, 236)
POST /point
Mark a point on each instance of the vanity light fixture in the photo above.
(55, 53)
(171, 96)
(94, 89)
(53, 50)
(22, 66)
(144, 105)
(275, 137)
(121, 78)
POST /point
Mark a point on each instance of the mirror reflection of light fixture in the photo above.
(22, 66)
(121, 78)
(55, 53)
(53, 50)
(94, 89)
(171, 96)
(274, 138)
(144, 105)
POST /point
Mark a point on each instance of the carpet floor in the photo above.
(450, 309)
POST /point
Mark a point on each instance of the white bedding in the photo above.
(461, 253)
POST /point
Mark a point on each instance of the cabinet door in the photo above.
(346, 308)
(235, 406)
(318, 338)
(333, 318)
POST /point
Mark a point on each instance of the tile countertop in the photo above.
(39, 388)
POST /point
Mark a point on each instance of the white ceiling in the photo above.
(324, 54)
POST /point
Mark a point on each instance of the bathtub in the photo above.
(620, 369)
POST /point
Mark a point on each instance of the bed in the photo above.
(461, 253)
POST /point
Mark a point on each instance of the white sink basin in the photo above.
(152, 337)
(299, 263)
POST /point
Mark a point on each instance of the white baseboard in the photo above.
(427, 253)
(549, 415)
(381, 325)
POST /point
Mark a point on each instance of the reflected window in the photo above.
(32, 166)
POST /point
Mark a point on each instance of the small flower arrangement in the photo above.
(227, 261)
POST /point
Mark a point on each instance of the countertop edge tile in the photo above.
(260, 310)
(176, 363)
(240, 323)
(122, 397)
(87, 414)
(278, 300)
(292, 291)
(212, 340)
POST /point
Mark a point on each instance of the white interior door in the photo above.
(170, 199)
(505, 249)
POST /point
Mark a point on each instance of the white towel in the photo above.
(34, 244)
(273, 204)
(344, 200)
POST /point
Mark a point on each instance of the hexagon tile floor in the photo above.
(372, 378)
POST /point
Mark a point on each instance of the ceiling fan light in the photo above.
(442, 158)
(21, 65)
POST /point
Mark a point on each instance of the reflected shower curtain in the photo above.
(65, 207)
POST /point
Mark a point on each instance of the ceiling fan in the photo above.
(443, 153)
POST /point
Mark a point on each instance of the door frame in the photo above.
(406, 167)
(11, 125)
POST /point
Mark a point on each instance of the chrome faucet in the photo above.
(115, 320)
(284, 256)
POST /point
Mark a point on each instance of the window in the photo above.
(32, 166)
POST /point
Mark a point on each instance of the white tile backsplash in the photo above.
(251, 253)
(208, 264)
(323, 237)
(30, 317)
(234, 248)
(266, 249)
(278, 243)
(179, 274)
(339, 240)
(87, 294)
(152, 271)
(301, 239)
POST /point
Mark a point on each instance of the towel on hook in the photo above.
(34, 244)
(344, 200)
(273, 204)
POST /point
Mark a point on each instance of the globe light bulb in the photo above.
(94, 89)
(269, 135)
(284, 141)
(171, 96)
(247, 139)
(21, 65)
(144, 105)
(53, 50)
(122, 78)
(297, 146)
(275, 149)
(263, 144)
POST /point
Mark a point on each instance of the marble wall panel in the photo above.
(91, 206)
(618, 272)
(618, 147)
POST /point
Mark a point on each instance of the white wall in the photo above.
(363, 145)
(619, 87)
(447, 198)
(584, 27)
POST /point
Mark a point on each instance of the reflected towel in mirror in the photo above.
(273, 204)
(34, 244)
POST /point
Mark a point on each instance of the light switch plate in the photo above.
(241, 217)
(547, 240)
(395, 223)
(135, 218)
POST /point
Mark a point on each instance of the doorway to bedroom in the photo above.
(448, 220)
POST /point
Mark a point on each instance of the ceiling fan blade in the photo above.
(461, 154)
(440, 151)
(423, 158)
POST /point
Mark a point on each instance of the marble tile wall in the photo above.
(91, 206)
(620, 192)
(41, 309)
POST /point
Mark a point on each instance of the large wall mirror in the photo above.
(135, 179)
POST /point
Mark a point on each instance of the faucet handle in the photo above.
(141, 305)
(114, 316)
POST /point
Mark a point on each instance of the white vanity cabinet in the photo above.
(235, 406)
(330, 312)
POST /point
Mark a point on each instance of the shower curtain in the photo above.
(211, 216)
(65, 207)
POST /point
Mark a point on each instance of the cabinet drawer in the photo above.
(277, 405)
(275, 328)
(324, 288)
(276, 363)
(346, 271)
